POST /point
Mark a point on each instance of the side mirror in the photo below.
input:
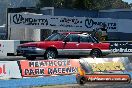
(66, 40)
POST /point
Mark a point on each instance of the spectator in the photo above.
(104, 35)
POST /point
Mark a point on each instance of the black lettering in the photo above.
(114, 24)
(50, 71)
(68, 69)
(41, 71)
(25, 20)
(36, 64)
(74, 69)
(59, 70)
(42, 64)
(64, 62)
(31, 72)
(63, 70)
(43, 20)
(46, 63)
(35, 20)
(39, 20)
(26, 71)
(60, 63)
(30, 20)
(17, 19)
(51, 63)
(55, 63)
(36, 71)
(31, 64)
(55, 70)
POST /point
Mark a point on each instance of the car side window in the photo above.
(90, 39)
(84, 38)
(73, 37)
(56, 37)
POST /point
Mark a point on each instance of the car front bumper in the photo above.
(31, 51)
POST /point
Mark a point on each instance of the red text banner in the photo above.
(49, 67)
(9, 69)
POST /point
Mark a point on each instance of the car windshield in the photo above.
(56, 37)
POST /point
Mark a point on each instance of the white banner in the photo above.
(9, 69)
(34, 21)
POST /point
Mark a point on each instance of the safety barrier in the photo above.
(25, 68)
(53, 72)
(28, 82)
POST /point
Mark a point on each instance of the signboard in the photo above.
(105, 65)
(49, 67)
(121, 47)
(124, 78)
(5, 49)
(9, 69)
(35, 21)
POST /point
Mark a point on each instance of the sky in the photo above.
(129, 1)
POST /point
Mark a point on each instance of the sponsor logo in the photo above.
(108, 66)
(121, 50)
(108, 78)
(2, 69)
(19, 19)
(49, 67)
(121, 47)
(89, 23)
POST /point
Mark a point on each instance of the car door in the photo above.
(85, 45)
(70, 47)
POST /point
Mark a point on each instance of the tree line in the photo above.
(85, 4)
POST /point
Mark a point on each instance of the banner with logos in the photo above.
(9, 69)
(37, 21)
(105, 65)
(49, 67)
(121, 46)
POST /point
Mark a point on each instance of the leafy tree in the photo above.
(45, 3)
(85, 4)
(119, 4)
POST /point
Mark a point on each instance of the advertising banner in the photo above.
(9, 69)
(49, 67)
(105, 65)
(121, 47)
(37, 21)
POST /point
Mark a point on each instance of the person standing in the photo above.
(104, 34)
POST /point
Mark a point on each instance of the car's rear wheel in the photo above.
(96, 53)
(50, 54)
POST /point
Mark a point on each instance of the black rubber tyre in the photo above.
(50, 54)
(96, 53)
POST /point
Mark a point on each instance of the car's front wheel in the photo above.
(50, 54)
(95, 53)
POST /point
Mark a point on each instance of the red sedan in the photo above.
(66, 43)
